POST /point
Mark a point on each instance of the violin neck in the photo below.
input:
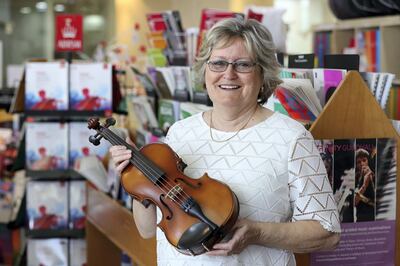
(140, 161)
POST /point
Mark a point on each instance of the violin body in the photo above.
(196, 213)
(187, 233)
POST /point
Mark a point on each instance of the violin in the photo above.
(196, 213)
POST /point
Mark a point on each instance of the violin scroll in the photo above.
(93, 123)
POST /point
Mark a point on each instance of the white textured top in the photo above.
(274, 169)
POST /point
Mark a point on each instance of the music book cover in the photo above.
(46, 146)
(77, 204)
(6, 200)
(77, 252)
(46, 86)
(325, 82)
(79, 145)
(91, 86)
(52, 251)
(47, 205)
(211, 16)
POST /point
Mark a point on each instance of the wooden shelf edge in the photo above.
(349, 24)
(117, 224)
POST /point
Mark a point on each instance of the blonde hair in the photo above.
(258, 42)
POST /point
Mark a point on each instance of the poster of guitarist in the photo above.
(364, 197)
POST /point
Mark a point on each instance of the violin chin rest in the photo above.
(194, 236)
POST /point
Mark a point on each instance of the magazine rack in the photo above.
(352, 112)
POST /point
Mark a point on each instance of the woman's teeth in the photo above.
(229, 87)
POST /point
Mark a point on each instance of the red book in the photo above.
(209, 17)
(156, 22)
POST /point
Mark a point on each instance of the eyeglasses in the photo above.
(240, 66)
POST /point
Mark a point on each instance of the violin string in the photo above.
(164, 181)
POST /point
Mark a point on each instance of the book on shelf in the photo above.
(326, 81)
(380, 85)
(91, 86)
(77, 252)
(175, 38)
(6, 200)
(47, 205)
(77, 204)
(144, 112)
(46, 86)
(79, 145)
(156, 22)
(299, 99)
(168, 113)
(46, 146)
(52, 251)
(209, 17)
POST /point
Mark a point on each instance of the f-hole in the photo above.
(169, 217)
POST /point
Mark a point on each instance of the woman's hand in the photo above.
(121, 155)
(244, 234)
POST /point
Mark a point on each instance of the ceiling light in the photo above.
(25, 10)
(41, 6)
(59, 8)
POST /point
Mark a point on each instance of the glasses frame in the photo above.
(234, 65)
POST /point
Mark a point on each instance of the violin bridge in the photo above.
(173, 192)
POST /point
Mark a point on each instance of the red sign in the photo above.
(68, 33)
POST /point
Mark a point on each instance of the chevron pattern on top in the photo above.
(274, 169)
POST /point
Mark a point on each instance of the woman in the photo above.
(268, 160)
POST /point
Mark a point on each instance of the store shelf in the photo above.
(369, 22)
(68, 174)
(110, 227)
(65, 114)
(56, 233)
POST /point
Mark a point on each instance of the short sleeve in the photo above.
(311, 194)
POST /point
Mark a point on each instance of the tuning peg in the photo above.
(109, 122)
(95, 140)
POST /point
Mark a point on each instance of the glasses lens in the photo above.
(243, 66)
(218, 65)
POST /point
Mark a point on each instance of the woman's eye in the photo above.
(219, 63)
(243, 64)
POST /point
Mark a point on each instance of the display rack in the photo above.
(351, 113)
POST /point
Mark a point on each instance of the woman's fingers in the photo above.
(120, 156)
(121, 166)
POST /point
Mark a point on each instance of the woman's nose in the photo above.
(230, 72)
